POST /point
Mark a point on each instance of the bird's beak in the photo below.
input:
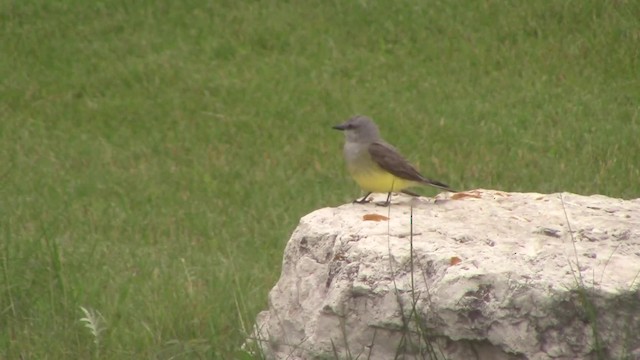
(340, 127)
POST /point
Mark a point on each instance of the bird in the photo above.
(377, 166)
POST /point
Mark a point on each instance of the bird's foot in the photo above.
(364, 200)
(385, 203)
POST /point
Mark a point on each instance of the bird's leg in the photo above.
(363, 200)
(386, 203)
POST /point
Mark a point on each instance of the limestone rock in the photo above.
(493, 276)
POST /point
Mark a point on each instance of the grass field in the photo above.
(156, 155)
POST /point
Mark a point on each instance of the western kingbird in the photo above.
(376, 165)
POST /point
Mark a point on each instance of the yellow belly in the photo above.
(380, 181)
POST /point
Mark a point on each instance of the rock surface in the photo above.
(493, 276)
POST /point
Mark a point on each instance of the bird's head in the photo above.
(359, 129)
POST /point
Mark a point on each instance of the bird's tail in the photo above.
(437, 184)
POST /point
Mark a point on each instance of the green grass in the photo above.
(156, 155)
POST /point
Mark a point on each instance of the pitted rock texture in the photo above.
(481, 275)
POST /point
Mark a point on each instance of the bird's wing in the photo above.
(388, 158)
